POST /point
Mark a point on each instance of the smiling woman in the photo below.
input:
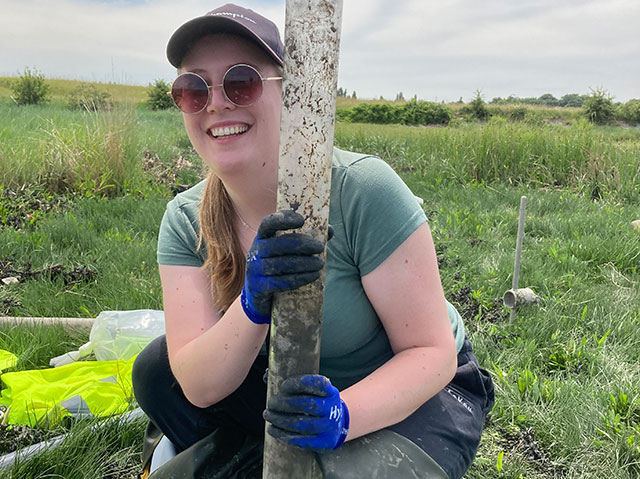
(399, 393)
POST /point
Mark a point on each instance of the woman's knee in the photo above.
(151, 375)
(381, 454)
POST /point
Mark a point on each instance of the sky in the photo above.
(437, 50)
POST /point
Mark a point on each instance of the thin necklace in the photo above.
(243, 221)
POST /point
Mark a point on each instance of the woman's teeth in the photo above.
(228, 131)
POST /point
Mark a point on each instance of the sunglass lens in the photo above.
(190, 93)
(242, 85)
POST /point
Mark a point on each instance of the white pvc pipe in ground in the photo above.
(65, 322)
(515, 298)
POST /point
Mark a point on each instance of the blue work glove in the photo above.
(278, 263)
(308, 413)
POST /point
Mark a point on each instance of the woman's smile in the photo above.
(227, 131)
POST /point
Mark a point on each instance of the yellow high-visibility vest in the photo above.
(84, 388)
(7, 360)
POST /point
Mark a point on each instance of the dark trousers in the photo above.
(161, 398)
(447, 427)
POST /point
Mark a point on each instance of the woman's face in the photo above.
(250, 146)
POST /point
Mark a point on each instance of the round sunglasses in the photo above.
(241, 84)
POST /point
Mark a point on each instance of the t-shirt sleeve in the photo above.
(380, 211)
(178, 239)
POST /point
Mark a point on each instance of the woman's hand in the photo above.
(278, 263)
(308, 413)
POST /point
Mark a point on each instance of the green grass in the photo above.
(582, 157)
(60, 89)
(557, 365)
(116, 238)
(96, 153)
(566, 372)
(89, 153)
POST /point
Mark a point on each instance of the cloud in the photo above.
(437, 50)
(450, 49)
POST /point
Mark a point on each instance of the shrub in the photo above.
(548, 100)
(518, 113)
(381, 113)
(158, 93)
(477, 108)
(30, 88)
(410, 113)
(630, 111)
(87, 97)
(572, 99)
(598, 107)
(423, 113)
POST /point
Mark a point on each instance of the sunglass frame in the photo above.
(224, 91)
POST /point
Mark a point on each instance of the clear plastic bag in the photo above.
(123, 334)
(117, 335)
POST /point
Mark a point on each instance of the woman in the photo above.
(400, 392)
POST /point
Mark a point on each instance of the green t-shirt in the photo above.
(372, 212)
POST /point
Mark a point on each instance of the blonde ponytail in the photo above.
(225, 259)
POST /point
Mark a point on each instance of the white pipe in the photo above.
(516, 266)
(515, 298)
(65, 322)
(312, 40)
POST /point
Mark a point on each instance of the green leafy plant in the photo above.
(423, 113)
(477, 108)
(598, 107)
(158, 95)
(629, 111)
(413, 112)
(572, 99)
(381, 113)
(518, 113)
(30, 88)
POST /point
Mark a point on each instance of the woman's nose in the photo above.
(218, 100)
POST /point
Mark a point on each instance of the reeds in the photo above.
(578, 156)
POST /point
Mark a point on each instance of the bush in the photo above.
(630, 111)
(159, 98)
(548, 100)
(477, 108)
(87, 97)
(30, 88)
(410, 113)
(381, 113)
(518, 113)
(598, 107)
(572, 99)
(423, 113)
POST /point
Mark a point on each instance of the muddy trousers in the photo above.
(225, 440)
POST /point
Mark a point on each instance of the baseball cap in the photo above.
(229, 18)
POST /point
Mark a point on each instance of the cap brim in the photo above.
(184, 37)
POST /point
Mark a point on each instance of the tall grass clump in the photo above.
(93, 153)
(87, 96)
(579, 156)
(96, 157)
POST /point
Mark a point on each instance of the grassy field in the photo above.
(60, 89)
(81, 200)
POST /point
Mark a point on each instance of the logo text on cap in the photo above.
(234, 15)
